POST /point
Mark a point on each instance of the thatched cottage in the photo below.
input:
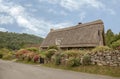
(87, 35)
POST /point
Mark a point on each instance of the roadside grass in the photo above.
(92, 69)
(26, 62)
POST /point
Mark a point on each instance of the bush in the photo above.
(8, 56)
(56, 58)
(1, 55)
(86, 60)
(74, 53)
(4, 51)
(29, 56)
(115, 44)
(50, 53)
(71, 53)
(71, 62)
(33, 49)
(101, 49)
(36, 58)
(53, 47)
(21, 52)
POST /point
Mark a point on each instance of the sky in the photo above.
(39, 16)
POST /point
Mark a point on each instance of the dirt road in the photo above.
(12, 70)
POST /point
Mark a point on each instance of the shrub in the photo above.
(53, 47)
(42, 54)
(86, 60)
(74, 53)
(21, 52)
(115, 44)
(33, 49)
(50, 53)
(101, 49)
(71, 53)
(29, 56)
(4, 51)
(71, 62)
(77, 61)
(8, 56)
(36, 58)
(1, 55)
(56, 58)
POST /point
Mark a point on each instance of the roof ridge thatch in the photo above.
(99, 21)
(89, 34)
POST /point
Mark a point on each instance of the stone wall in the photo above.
(107, 58)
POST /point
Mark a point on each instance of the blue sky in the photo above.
(38, 16)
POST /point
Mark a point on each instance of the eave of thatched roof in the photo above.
(81, 35)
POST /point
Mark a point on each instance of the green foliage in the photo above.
(4, 51)
(42, 54)
(33, 49)
(16, 41)
(101, 49)
(111, 38)
(1, 55)
(115, 44)
(72, 61)
(56, 58)
(86, 60)
(53, 47)
(50, 53)
(74, 53)
(8, 56)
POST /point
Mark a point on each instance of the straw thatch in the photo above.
(82, 35)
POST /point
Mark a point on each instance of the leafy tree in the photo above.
(115, 44)
(109, 37)
(112, 40)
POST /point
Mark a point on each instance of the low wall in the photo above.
(107, 58)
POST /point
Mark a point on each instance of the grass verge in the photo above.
(92, 69)
(26, 62)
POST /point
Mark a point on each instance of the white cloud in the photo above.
(63, 13)
(76, 4)
(24, 20)
(82, 15)
(56, 12)
(73, 5)
(6, 19)
(52, 11)
(3, 29)
(50, 1)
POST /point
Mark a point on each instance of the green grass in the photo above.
(93, 69)
(26, 62)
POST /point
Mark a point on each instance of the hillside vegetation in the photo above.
(112, 40)
(16, 41)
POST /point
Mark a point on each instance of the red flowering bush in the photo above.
(29, 56)
(36, 58)
(22, 53)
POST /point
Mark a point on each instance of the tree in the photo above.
(109, 37)
(115, 44)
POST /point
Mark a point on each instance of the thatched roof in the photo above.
(82, 35)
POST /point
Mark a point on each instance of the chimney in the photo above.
(51, 30)
(79, 23)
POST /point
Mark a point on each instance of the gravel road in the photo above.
(12, 70)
